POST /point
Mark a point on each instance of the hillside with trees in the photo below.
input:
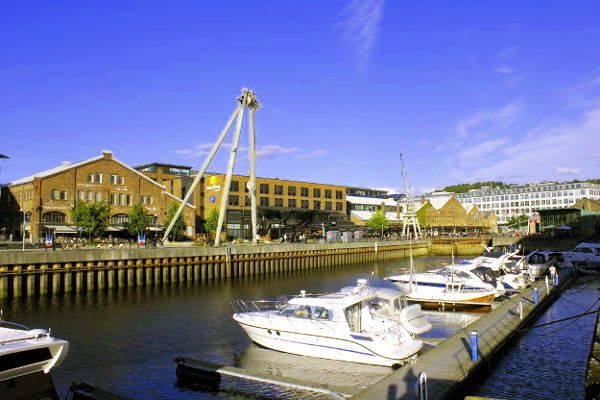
(465, 187)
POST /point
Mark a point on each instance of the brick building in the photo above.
(45, 200)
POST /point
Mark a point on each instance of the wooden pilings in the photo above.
(162, 267)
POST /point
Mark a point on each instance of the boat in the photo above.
(453, 285)
(24, 351)
(511, 269)
(366, 323)
(584, 253)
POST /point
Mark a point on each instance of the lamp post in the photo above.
(23, 229)
(323, 228)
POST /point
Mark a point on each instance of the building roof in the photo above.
(366, 215)
(375, 201)
(159, 164)
(439, 201)
(66, 166)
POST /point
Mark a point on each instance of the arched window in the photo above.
(53, 216)
(119, 219)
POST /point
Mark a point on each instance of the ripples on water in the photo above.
(548, 362)
(126, 341)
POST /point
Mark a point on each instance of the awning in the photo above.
(156, 228)
(113, 228)
(62, 228)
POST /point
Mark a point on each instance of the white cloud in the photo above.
(361, 27)
(390, 189)
(567, 170)
(274, 150)
(504, 69)
(535, 155)
(312, 154)
(497, 118)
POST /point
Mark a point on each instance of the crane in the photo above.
(409, 216)
(246, 100)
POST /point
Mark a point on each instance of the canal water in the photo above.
(126, 341)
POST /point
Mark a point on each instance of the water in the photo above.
(126, 341)
(548, 362)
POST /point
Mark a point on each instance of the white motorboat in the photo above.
(584, 253)
(25, 351)
(511, 269)
(364, 323)
(453, 285)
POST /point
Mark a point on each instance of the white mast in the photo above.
(409, 216)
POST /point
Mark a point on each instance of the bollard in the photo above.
(421, 387)
(536, 295)
(521, 310)
(547, 285)
(474, 346)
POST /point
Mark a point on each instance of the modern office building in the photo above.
(362, 208)
(43, 202)
(524, 199)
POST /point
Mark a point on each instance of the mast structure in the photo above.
(409, 216)
(246, 100)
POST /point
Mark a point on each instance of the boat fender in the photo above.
(413, 320)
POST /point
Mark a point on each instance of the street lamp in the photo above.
(23, 230)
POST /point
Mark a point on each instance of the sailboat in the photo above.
(451, 285)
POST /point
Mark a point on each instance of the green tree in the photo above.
(518, 221)
(378, 221)
(212, 221)
(80, 214)
(139, 219)
(99, 218)
(179, 226)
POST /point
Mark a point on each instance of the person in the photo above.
(285, 237)
(553, 271)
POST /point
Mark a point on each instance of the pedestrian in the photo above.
(285, 237)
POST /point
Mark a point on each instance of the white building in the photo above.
(524, 199)
(362, 208)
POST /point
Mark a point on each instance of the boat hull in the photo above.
(353, 348)
(22, 358)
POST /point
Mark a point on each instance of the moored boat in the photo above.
(25, 351)
(364, 323)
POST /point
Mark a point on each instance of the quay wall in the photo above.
(42, 273)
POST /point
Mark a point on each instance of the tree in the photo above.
(212, 221)
(80, 214)
(93, 218)
(518, 221)
(139, 220)
(179, 226)
(378, 221)
(99, 218)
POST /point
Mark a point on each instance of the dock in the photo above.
(449, 366)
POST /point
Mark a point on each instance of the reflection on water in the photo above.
(126, 341)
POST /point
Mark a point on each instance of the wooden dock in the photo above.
(449, 366)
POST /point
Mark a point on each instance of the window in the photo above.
(339, 206)
(279, 202)
(119, 219)
(291, 190)
(125, 199)
(316, 205)
(117, 180)
(81, 195)
(316, 192)
(59, 194)
(53, 216)
(278, 189)
(264, 201)
(292, 203)
(114, 199)
(247, 201)
(98, 196)
(304, 204)
(90, 196)
(94, 178)
(304, 192)
(327, 193)
(339, 195)
(328, 205)
(264, 188)
(147, 200)
(234, 186)
(234, 200)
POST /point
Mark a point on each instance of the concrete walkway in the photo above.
(449, 364)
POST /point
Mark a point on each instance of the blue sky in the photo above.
(468, 90)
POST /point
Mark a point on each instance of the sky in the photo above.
(466, 90)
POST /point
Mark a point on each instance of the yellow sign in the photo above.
(212, 180)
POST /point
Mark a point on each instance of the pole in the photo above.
(254, 105)
(23, 233)
(230, 166)
(203, 169)
(323, 228)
